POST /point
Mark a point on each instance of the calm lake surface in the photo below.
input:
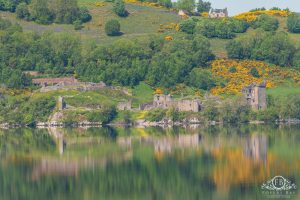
(147, 163)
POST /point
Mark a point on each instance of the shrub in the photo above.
(77, 25)
(203, 6)
(165, 3)
(235, 50)
(239, 26)
(112, 27)
(201, 79)
(293, 23)
(296, 60)
(84, 15)
(155, 115)
(232, 69)
(254, 72)
(188, 26)
(267, 23)
(119, 8)
(22, 11)
(215, 28)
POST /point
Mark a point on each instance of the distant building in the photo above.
(54, 81)
(165, 102)
(182, 13)
(255, 96)
(218, 13)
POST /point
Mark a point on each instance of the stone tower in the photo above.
(61, 104)
(162, 101)
(255, 96)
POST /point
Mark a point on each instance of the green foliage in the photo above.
(41, 12)
(235, 50)
(258, 9)
(201, 78)
(221, 29)
(22, 11)
(293, 23)
(187, 5)
(254, 72)
(11, 5)
(188, 26)
(155, 115)
(49, 53)
(166, 3)
(124, 62)
(84, 15)
(105, 115)
(267, 23)
(232, 70)
(112, 27)
(47, 11)
(234, 111)
(296, 60)
(177, 59)
(24, 110)
(77, 25)
(119, 8)
(203, 6)
(238, 26)
(211, 111)
(273, 48)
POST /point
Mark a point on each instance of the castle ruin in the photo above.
(163, 101)
(255, 96)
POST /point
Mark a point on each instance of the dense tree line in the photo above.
(125, 62)
(211, 28)
(47, 11)
(48, 53)
(159, 62)
(274, 48)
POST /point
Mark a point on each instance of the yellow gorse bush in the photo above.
(168, 38)
(150, 4)
(252, 16)
(272, 74)
(100, 4)
(171, 26)
(204, 14)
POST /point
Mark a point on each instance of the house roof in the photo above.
(218, 10)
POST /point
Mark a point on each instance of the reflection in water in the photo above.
(153, 163)
(256, 148)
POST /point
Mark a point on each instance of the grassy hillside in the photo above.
(141, 22)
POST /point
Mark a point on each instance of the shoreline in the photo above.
(142, 124)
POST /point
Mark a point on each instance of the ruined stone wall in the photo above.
(124, 105)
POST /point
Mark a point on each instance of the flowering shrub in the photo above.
(252, 16)
(242, 76)
(171, 26)
(145, 3)
(100, 4)
(168, 38)
(204, 14)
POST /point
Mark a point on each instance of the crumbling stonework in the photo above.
(255, 96)
(165, 102)
(124, 105)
